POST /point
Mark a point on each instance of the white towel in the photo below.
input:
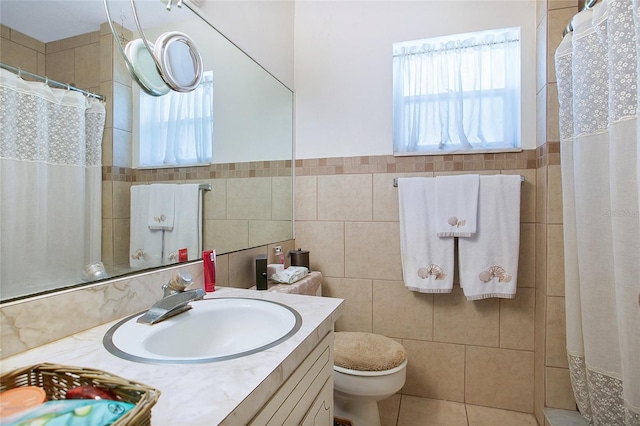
(456, 205)
(427, 261)
(161, 206)
(488, 261)
(186, 232)
(145, 245)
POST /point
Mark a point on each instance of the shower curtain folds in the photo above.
(597, 72)
(50, 188)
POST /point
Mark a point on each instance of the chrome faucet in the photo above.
(175, 301)
(177, 284)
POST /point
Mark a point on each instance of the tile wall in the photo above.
(74, 60)
(258, 212)
(21, 51)
(482, 352)
(552, 383)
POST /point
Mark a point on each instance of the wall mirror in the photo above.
(250, 203)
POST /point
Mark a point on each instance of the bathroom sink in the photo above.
(213, 330)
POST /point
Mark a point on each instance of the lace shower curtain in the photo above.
(597, 72)
(50, 189)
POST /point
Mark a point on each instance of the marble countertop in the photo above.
(225, 392)
(310, 284)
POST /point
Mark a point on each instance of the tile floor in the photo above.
(405, 410)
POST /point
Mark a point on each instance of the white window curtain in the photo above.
(50, 185)
(177, 128)
(597, 73)
(457, 93)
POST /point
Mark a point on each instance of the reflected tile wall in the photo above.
(21, 50)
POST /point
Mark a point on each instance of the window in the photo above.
(175, 129)
(457, 94)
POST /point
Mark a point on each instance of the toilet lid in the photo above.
(366, 351)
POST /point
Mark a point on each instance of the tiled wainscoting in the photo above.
(505, 354)
(481, 352)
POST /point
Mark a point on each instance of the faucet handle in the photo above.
(179, 282)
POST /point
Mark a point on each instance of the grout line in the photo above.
(399, 408)
(466, 413)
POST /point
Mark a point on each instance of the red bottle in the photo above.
(209, 265)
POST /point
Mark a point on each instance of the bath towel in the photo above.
(161, 206)
(456, 205)
(187, 225)
(488, 261)
(145, 245)
(427, 260)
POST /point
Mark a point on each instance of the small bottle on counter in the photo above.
(209, 265)
(261, 272)
(279, 255)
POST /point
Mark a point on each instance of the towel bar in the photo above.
(395, 181)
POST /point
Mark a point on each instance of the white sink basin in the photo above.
(213, 330)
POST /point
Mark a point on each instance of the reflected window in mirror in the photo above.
(174, 129)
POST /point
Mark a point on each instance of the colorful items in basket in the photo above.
(19, 399)
(76, 396)
(71, 412)
(90, 392)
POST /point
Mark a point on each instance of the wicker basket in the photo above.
(57, 379)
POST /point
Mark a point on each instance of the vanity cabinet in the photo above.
(306, 398)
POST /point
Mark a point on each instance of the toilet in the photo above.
(367, 368)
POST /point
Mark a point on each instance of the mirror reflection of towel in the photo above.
(186, 232)
(145, 245)
(161, 206)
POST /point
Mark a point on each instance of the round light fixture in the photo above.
(180, 62)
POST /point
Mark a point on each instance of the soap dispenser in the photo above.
(279, 255)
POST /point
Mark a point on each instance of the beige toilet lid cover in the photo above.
(366, 351)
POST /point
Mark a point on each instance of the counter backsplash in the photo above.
(26, 324)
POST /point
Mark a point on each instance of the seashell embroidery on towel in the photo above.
(494, 272)
(453, 221)
(431, 270)
(139, 254)
(160, 219)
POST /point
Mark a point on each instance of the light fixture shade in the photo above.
(180, 62)
(145, 67)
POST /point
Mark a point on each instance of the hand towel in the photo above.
(456, 203)
(427, 260)
(161, 206)
(187, 224)
(145, 245)
(488, 261)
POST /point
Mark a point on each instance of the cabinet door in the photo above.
(310, 395)
(321, 411)
(292, 401)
